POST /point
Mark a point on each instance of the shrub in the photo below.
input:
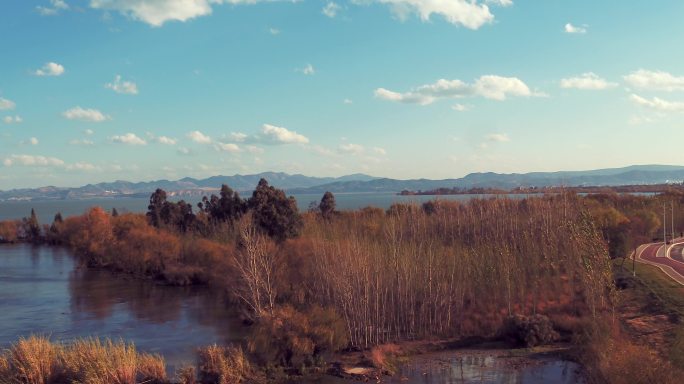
(93, 361)
(9, 231)
(33, 361)
(223, 365)
(151, 369)
(529, 331)
(186, 375)
(386, 357)
(292, 338)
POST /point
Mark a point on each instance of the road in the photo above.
(665, 258)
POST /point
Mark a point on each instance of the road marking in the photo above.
(669, 271)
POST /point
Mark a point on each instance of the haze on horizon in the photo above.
(100, 90)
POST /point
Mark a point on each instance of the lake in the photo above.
(44, 291)
(46, 210)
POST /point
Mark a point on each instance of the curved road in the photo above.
(656, 255)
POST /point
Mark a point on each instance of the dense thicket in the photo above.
(459, 270)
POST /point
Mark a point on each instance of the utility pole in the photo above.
(672, 218)
(634, 262)
(664, 226)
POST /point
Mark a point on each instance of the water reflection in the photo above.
(45, 292)
(476, 367)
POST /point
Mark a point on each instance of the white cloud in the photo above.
(489, 86)
(500, 3)
(323, 151)
(274, 31)
(347, 101)
(408, 97)
(254, 149)
(379, 151)
(331, 9)
(280, 135)
(31, 160)
(84, 142)
(82, 166)
(33, 141)
(460, 107)
(498, 88)
(166, 140)
(89, 132)
(158, 12)
(57, 5)
(6, 104)
(91, 115)
(307, 70)
(125, 87)
(587, 81)
(238, 136)
(227, 147)
(128, 139)
(497, 137)
(50, 69)
(199, 137)
(658, 104)
(471, 14)
(16, 119)
(569, 28)
(655, 80)
(355, 149)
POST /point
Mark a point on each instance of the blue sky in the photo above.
(100, 90)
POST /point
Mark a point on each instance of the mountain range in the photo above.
(300, 184)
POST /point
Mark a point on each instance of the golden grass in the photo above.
(223, 365)
(37, 360)
(32, 361)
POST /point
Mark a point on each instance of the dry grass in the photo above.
(36, 360)
(151, 369)
(223, 365)
(613, 359)
(32, 361)
(385, 357)
(186, 375)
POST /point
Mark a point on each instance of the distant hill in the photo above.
(184, 187)
(632, 175)
(300, 184)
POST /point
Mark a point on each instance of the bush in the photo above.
(36, 360)
(223, 365)
(33, 360)
(292, 338)
(529, 331)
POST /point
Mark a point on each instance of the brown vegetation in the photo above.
(36, 360)
(365, 278)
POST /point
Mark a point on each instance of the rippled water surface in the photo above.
(43, 291)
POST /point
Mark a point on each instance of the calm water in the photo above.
(479, 367)
(483, 368)
(42, 291)
(46, 210)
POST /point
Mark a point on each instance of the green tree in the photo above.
(275, 213)
(229, 207)
(327, 205)
(154, 210)
(55, 228)
(32, 228)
